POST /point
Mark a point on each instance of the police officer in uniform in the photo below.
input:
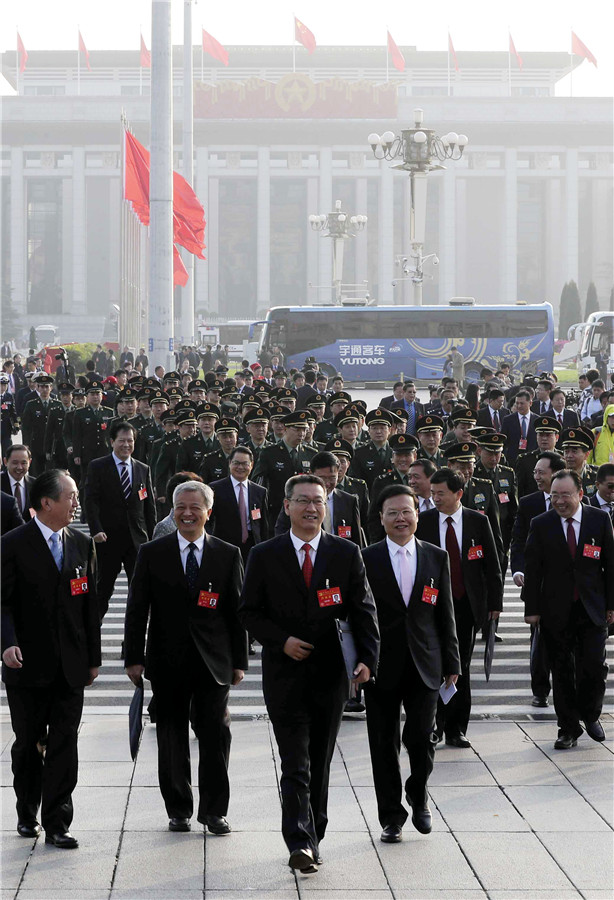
(576, 444)
(215, 465)
(375, 457)
(403, 448)
(34, 422)
(344, 453)
(503, 480)
(548, 431)
(55, 448)
(256, 421)
(429, 430)
(193, 450)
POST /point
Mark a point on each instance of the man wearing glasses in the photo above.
(239, 511)
(296, 587)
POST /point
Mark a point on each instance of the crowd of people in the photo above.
(365, 550)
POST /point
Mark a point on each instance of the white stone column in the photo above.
(385, 249)
(18, 236)
(509, 255)
(263, 230)
(214, 245)
(360, 209)
(460, 235)
(67, 245)
(313, 243)
(571, 214)
(79, 261)
(447, 236)
(201, 266)
(555, 264)
(325, 205)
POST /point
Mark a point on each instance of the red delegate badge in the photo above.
(522, 444)
(78, 586)
(142, 493)
(429, 595)
(330, 597)
(256, 514)
(344, 531)
(208, 599)
(475, 552)
(504, 498)
(592, 551)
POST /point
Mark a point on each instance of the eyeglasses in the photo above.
(240, 465)
(306, 501)
(397, 514)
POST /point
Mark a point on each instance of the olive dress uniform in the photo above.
(274, 467)
(55, 447)
(503, 480)
(437, 460)
(192, 452)
(369, 462)
(33, 425)
(148, 430)
(325, 431)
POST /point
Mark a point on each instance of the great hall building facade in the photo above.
(527, 208)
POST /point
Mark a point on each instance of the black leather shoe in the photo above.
(28, 829)
(391, 834)
(217, 825)
(565, 741)
(178, 823)
(458, 740)
(354, 706)
(319, 860)
(498, 638)
(63, 839)
(541, 702)
(303, 859)
(595, 730)
(252, 649)
(421, 817)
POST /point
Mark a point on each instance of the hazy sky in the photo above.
(474, 25)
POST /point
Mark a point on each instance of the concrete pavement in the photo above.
(512, 819)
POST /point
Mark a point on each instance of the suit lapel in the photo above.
(290, 561)
(43, 553)
(324, 549)
(394, 591)
(420, 568)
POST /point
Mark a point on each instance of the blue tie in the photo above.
(412, 419)
(56, 549)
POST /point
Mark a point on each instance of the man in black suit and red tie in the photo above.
(187, 585)
(493, 414)
(297, 586)
(569, 573)
(239, 510)
(15, 479)
(477, 585)
(50, 652)
(519, 428)
(410, 581)
(566, 417)
(120, 506)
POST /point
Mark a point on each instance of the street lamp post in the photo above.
(419, 150)
(340, 227)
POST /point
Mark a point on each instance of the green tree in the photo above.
(592, 302)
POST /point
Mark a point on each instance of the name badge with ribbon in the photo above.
(343, 530)
(475, 552)
(504, 498)
(522, 444)
(256, 514)
(592, 551)
(142, 492)
(329, 596)
(78, 585)
(429, 594)
(207, 599)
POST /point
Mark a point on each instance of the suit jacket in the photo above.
(11, 517)
(536, 408)
(53, 629)
(28, 481)
(551, 575)
(345, 512)
(510, 427)
(108, 510)
(400, 404)
(484, 419)
(224, 521)
(482, 577)
(424, 631)
(303, 394)
(159, 593)
(386, 402)
(570, 418)
(528, 507)
(276, 604)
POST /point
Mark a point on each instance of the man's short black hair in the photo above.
(49, 484)
(399, 384)
(90, 365)
(291, 483)
(605, 471)
(557, 463)
(13, 448)
(323, 460)
(427, 465)
(240, 448)
(567, 473)
(598, 383)
(395, 490)
(454, 481)
(310, 376)
(116, 427)
(524, 393)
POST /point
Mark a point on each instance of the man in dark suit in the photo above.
(15, 479)
(530, 506)
(569, 573)
(395, 397)
(410, 581)
(120, 506)
(239, 509)
(296, 588)
(187, 585)
(603, 498)
(477, 585)
(342, 516)
(541, 405)
(547, 431)
(11, 517)
(566, 417)
(493, 414)
(50, 651)
(519, 428)
(410, 404)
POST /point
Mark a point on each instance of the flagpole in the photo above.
(294, 44)
(509, 61)
(387, 55)
(571, 62)
(78, 62)
(140, 65)
(448, 62)
(17, 60)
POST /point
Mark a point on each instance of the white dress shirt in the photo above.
(395, 559)
(184, 548)
(47, 532)
(298, 547)
(236, 485)
(22, 485)
(425, 504)
(457, 524)
(577, 521)
(121, 462)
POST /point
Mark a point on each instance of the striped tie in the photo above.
(125, 480)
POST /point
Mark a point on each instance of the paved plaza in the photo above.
(512, 818)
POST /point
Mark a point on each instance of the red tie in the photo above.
(560, 419)
(456, 572)
(573, 546)
(496, 421)
(307, 565)
(18, 496)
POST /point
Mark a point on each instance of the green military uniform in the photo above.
(359, 488)
(33, 426)
(275, 466)
(148, 431)
(192, 452)
(256, 450)
(214, 466)
(89, 433)
(589, 480)
(325, 431)
(369, 463)
(524, 471)
(55, 446)
(166, 462)
(67, 434)
(503, 480)
(478, 494)
(437, 460)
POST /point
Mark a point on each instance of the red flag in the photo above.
(398, 60)
(214, 48)
(145, 62)
(581, 49)
(180, 273)
(515, 52)
(452, 52)
(83, 49)
(304, 36)
(22, 53)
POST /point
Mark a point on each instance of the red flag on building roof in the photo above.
(145, 62)
(452, 52)
(304, 36)
(214, 48)
(83, 49)
(398, 60)
(515, 52)
(22, 53)
(581, 49)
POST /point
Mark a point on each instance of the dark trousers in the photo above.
(197, 696)
(579, 669)
(111, 555)
(453, 718)
(539, 663)
(306, 735)
(58, 707)
(384, 729)
(38, 464)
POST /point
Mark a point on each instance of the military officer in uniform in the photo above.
(166, 462)
(215, 465)
(55, 448)
(89, 434)
(548, 431)
(78, 401)
(256, 421)
(576, 444)
(34, 421)
(503, 480)
(429, 430)
(193, 450)
(374, 459)
(404, 448)
(344, 453)
(460, 421)
(151, 429)
(125, 405)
